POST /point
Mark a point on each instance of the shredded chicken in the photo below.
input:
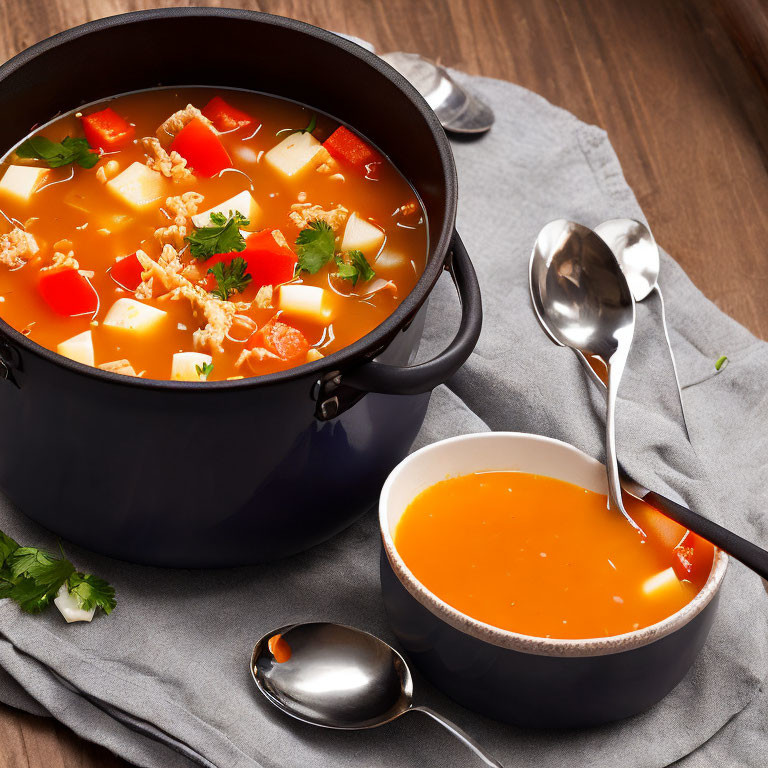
(118, 366)
(183, 207)
(263, 298)
(172, 166)
(178, 120)
(279, 238)
(301, 215)
(17, 247)
(218, 314)
(144, 289)
(62, 261)
(255, 355)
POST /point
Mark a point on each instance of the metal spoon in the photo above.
(458, 109)
(636, 251)
(582, 300)
(341, 677)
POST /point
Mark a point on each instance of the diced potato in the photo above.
(293, 153)
(184, 366)
(20, 181)
(79, 348)
(361, 235)
(132, 315)
(243, 203)
(313, 355)
(663, 584)
(388, 260)
(138, 186)
(306, 302)
(69, 606)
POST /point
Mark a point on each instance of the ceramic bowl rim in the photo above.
(540, 646)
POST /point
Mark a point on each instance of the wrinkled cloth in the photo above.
(164, 681)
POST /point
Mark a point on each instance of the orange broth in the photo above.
(542, 557)
(72, 203)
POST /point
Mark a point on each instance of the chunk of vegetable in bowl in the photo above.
(361, 235)
(21, 181)
(197, 143)
(242, 203)
(132, 315)
(294, 153)
(306, 302)
(68, 293)
(190, 366)
(224, 116)
(78, 348)
(106, 130)
(138, 186)
(346, 146)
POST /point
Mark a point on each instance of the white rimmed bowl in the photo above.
(532, 681)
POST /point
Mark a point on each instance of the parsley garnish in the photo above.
(230, 278)
(56, 154)
(204, 370)
(223, 236)
(720, 362)
(311, 125)
(355, 267)
(315, 246)
(32, 578)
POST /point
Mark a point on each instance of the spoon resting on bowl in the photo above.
(339, 677)
(574, 306)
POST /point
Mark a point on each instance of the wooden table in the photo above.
(685, 108)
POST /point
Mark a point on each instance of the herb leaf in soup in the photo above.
(223, 236)
(354, 267)
(55, 154)
(315, 246)
(230, 278)
(204, 370)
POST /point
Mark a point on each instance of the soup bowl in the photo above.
(521, 679)
(224, 473)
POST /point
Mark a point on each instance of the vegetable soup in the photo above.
(542, 557)
(202, 234)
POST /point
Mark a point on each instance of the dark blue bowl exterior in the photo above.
(540, 691)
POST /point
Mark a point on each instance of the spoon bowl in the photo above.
(340, 677)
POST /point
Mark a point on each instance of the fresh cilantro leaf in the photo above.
(354, 267)
(45, 570)
(720, 362)
(315, 246)
(31, 596)
(230, 278)
(92, 591)
(204, 370)
(55, 154)
(7, 582)
(311, 125)
(7, 547)
(223, 236)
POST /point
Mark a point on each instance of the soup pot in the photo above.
(529, 681)
(223, 473)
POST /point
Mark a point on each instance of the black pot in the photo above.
(224, 473)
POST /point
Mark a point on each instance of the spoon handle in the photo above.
(460, 735)
(747, 553)
(672, 358)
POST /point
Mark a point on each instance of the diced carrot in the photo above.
(68, 293)
(106, 130)
(344, 145)
(224, 116)
(127, 272)
(197, 143)
(279, 648)
(282, 339)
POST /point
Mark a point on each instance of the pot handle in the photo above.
(416, 379)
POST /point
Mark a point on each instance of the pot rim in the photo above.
(365, 347)
(539, 646)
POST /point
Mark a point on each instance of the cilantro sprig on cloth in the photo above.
(32, 578)
(55, 154)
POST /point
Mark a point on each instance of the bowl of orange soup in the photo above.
(518, 592)
(214, 268)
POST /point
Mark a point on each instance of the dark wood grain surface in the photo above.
(679, 86)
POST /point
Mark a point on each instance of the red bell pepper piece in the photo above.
(106, 130)
(281, 339)
(268, 262)
(127, 272)
(346, 146)
(68, 293)
(224, 116)
(201, 148)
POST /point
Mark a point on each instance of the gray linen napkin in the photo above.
(164, 681)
